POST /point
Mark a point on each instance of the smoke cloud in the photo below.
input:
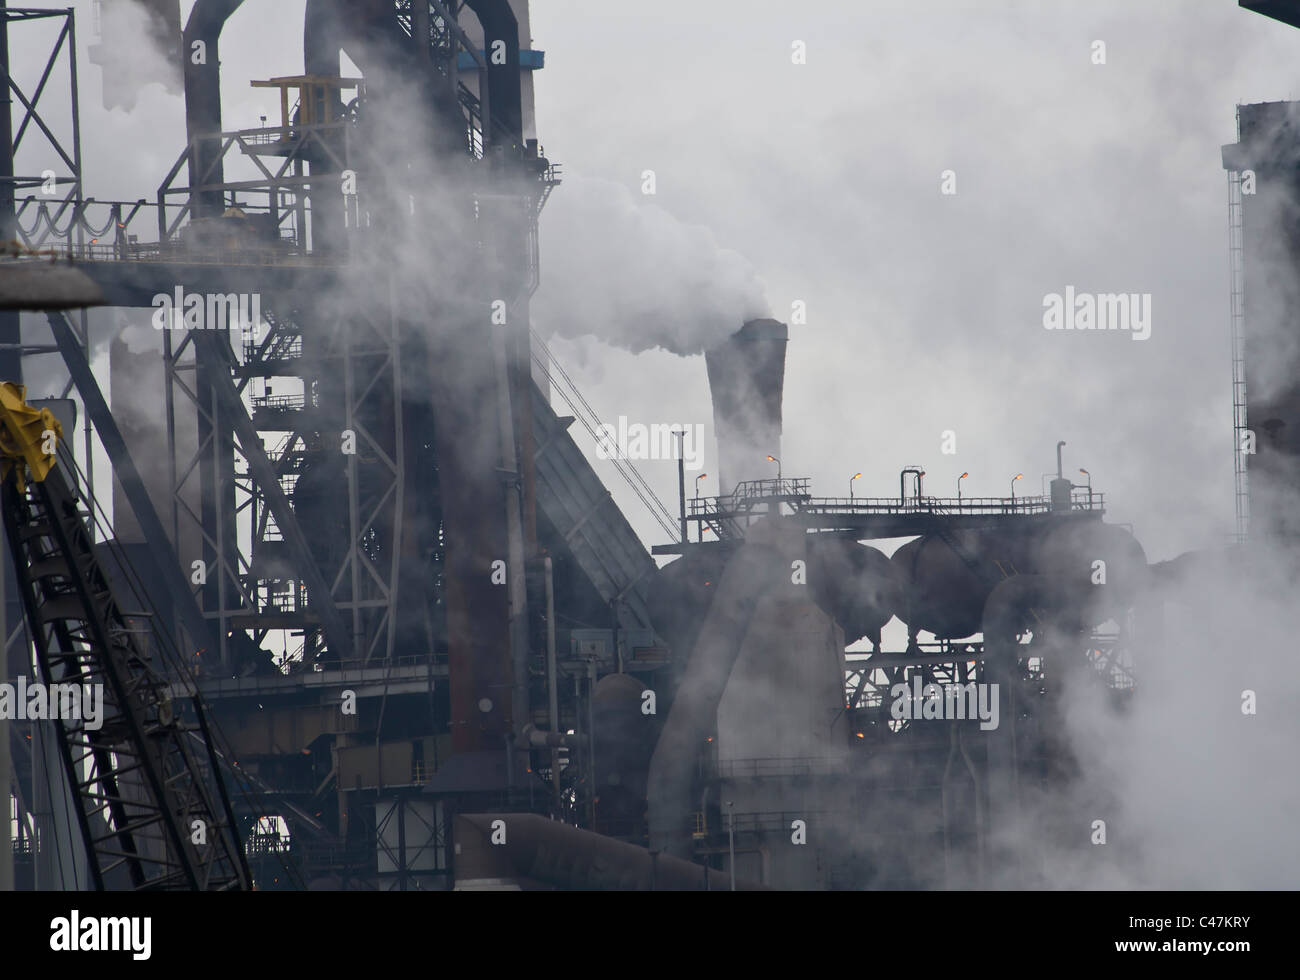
(632, 274)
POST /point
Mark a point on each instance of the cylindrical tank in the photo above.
(855, 583)
(1102, 567)
(624, 740)
(941, 592)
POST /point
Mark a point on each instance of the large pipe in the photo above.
(902, 484)
(513, 846)
(746, 376)
(552, 677)
(203, 101)
(534, 737)
(504, 122)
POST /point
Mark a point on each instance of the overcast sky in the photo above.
(822, 180)
(924, 310)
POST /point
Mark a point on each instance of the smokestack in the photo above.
(746, 375)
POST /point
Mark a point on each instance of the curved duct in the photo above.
(549, 852)
(761, 563)
(203, 102)
(368, 31)
(505, 100)
(1020, 603)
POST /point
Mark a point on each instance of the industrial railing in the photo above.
(190, 255)
(950, 506)
(280, 402)
(755, 490)
(776, 767)
(795, 492)
(770, 821)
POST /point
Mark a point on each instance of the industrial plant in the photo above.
(315, 577)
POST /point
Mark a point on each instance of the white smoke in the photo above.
(631, 274)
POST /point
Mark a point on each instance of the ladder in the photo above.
(1237, 278)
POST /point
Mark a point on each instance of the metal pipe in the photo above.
(203, 103)
(1059, 473)
(681, 480)
(902, 483)
(552, 695)
(731, 840)
(591, 734)
(534, 737)
(515, 575)
(569, 858)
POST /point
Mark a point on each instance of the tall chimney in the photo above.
(746, 375)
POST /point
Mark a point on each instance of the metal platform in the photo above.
(866, 518)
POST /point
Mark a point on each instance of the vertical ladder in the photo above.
(1237, 277)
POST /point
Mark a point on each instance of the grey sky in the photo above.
(925, 311)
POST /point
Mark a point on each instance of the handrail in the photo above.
(705, 507)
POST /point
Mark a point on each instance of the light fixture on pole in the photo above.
(700, 535)
(1089, 476)
(959, 479)
(773, 459)
(1018, 476)
(851, 479)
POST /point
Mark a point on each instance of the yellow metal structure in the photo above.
(319, 96)
(29, 437)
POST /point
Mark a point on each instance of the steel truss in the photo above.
(148, 811)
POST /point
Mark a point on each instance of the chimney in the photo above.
(746, 374)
